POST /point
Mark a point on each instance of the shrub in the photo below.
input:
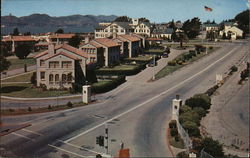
(211, 91)
(33, 79)
(190, 116)
(11, 110)
(213, 147)
(172, 124)
(184, 109)
(211, 47)
(29, 109)
(199, 100)
(192, 128)
(176, 138)
(49, 107)
(234, 68)
(173, 132)
(69, 104)
(200, 111)
(182, 154)
(171, 63)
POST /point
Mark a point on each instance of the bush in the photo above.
(199, 100)
(109, 86)
(184, 109)
(29, 109)
(200, 111)
(177, 138)
(182, 154)
(211, 47)
(234, 68)
(33, 79)
(192, 128)
(190, 116)
(11, 110)
(213, 147)
(173, 132)
(172, 124)
(211, 91)
(69, 104)
(171, 63)
(49, 107)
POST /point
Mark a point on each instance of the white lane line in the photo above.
(151, 99)
(19, 135)
(29, 131)
(67, 151)
(76, 146)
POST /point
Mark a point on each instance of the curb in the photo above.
(48, 98)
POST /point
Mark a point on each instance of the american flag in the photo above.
(208, 9)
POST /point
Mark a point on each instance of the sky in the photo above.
(154, 10)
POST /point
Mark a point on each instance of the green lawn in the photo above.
(145, 58)
(169, 69)
(120, 67)
(22, 78)
(19, 63)
(101, 83)
(27, 91)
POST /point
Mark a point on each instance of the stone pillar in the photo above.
(176, 104)
(219, 78)
(86, 94)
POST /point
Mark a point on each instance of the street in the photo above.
(136, 113)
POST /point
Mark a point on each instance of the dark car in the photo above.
(165, 55)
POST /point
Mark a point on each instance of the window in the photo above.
(56, 77)
(122, 30)
(64, 77)
(51, 77)
(42, 75)
(66, 64)
(54, 64)
(42, 63)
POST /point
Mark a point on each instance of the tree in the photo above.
(172, 25)
(243, 21)
(33, 79)
(191, 128)
(192, 27)
(213, 147)
(59, 31)
(15, 32)
(75, 41)
(143, 20)
(123, 19)
(4, 64)
(22, 51)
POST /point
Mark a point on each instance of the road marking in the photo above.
(16, 134)
(149, 100)
(26, 130)
(67, 151)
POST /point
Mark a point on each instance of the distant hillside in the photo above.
(40, 23)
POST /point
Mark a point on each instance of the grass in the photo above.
(177, 144)
(19, 63)
(120, 67)
(169, 69)
(31, 110)
(21, 78)
(145, 58)
(27, 91)
(101, 83)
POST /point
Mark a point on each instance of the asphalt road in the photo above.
(137, 114)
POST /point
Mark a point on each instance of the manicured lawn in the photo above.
(145, 58)
(169, 69)
(19, 63)
(22, 78)
(120, 68)
(27, 91)
(101, 83)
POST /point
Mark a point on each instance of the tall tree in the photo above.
(22, 51)
(143, 20)
(243, 21)
(15, 32)
(123, 19)
(172, 25)
(59, 31)
(4, 63)
(192, 27)
(75, 41)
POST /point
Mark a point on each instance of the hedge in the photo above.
(122, 72)
(109, 85)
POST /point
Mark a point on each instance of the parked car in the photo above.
(165, 55)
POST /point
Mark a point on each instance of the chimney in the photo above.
(86, 39)
(51, 48)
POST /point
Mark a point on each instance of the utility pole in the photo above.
(106, 137)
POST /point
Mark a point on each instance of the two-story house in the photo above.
(133, 44)
(60, 66)
(143, 28)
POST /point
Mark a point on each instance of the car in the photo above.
(152, 64)
(165, 55)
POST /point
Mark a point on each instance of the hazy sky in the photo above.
(154, 10)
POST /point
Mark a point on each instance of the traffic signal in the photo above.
(100, 140)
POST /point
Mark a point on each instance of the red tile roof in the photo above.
(106, 42)
(130, 38)
(61, 53)
(67, 47)
(92, 43)
(66, 35)
(18, 38)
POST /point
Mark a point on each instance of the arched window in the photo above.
(57, 77)
(64, 77)
(51, 77)
(69, 77)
